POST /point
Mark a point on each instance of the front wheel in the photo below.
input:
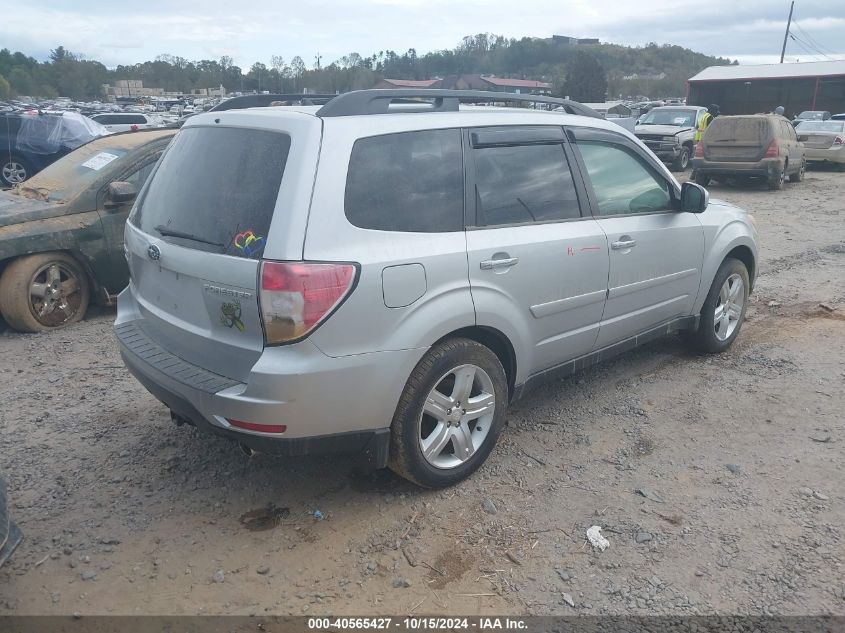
(14, 170)
(450, 414)
(724, 309)
(43, 292)
(682, 161)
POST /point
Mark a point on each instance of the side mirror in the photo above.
(119, 193)
(694, 198)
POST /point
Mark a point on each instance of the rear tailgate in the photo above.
(741, 139)
(200, 228)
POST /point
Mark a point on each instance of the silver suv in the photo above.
(385, 273)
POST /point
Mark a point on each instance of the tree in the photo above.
(5, 88)
(586, 79)
(297, 69)
(277, 63)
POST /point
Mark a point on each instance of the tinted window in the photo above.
(105, 119)
(218, 185)
(412, 181)
(523, 183)
(622, 180)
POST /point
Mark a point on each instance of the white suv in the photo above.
(385, 273)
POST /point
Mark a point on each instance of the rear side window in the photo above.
(409, 182)
(215, 190)
(523, 183)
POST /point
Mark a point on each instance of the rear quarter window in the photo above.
(407, 182)
(215, 190)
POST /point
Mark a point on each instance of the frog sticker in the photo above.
(231, 315)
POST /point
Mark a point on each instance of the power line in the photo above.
(814, 41)
(809, 47)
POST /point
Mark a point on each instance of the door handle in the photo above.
(498, 264)
(623, 244)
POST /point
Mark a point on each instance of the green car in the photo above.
(61, 231)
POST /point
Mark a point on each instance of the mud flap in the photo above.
(10, 535)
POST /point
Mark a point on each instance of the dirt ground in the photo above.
(740, 456)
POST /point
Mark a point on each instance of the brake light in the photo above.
(133, 128)
(699, 150)
(838, 141)
(772, 151)
(295, 297)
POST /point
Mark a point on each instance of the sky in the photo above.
(750, 31)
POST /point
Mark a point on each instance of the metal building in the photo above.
(761, 88)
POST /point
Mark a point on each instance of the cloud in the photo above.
(196, 29)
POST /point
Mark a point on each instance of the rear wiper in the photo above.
(165, 232)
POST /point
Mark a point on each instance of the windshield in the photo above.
(679, 118)
(812, 115)
(821, 126)
(73, 173)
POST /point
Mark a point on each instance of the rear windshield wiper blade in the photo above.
(165, 232)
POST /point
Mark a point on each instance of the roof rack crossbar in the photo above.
(266, 100)
(362, 102)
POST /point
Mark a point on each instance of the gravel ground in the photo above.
(738, 460)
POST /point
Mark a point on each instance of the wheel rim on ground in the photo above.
(684, 159)
(55, 294)
(729, 307)
(457, 416)
(14, 173)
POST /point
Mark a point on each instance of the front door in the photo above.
(537, 266)
(656, 252)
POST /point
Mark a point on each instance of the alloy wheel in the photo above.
(729, 307)
(457, 416)
(14, 173)
(54, 294)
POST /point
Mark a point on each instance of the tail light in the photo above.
(772, 151)
(295, 297)
(699, 150)
(838, 141)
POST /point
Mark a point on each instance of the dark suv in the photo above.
(758, 145)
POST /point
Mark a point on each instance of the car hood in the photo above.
(17, 209)
(662, 130)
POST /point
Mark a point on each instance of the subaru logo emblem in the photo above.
(154, 252)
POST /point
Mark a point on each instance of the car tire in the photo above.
(776, 181)
(798, 176)
(717, 327)
(43, 292)
(682, 161)
(702, 180)
(14, 170)
(431, 428)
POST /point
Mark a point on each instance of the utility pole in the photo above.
(786, 35)
(317, 59)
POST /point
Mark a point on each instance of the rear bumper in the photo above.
(329, 405)
(764, 168)
(826, 155)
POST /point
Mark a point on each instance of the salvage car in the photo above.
(127, 121)
(29, 141)
(669, 132)
(61, 231)
(824, 141)
(811, 115)
(750, 146)
(385, 273)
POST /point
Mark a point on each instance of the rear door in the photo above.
(737, 139)
(656, 252)
(196, 235)
(536, 264)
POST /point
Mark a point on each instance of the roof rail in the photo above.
(378, 101)
(265, 100)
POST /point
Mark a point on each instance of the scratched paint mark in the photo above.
(588, 249)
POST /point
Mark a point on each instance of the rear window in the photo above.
(820, 126)
(410, 182)
(738, 130)
(215, 190)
